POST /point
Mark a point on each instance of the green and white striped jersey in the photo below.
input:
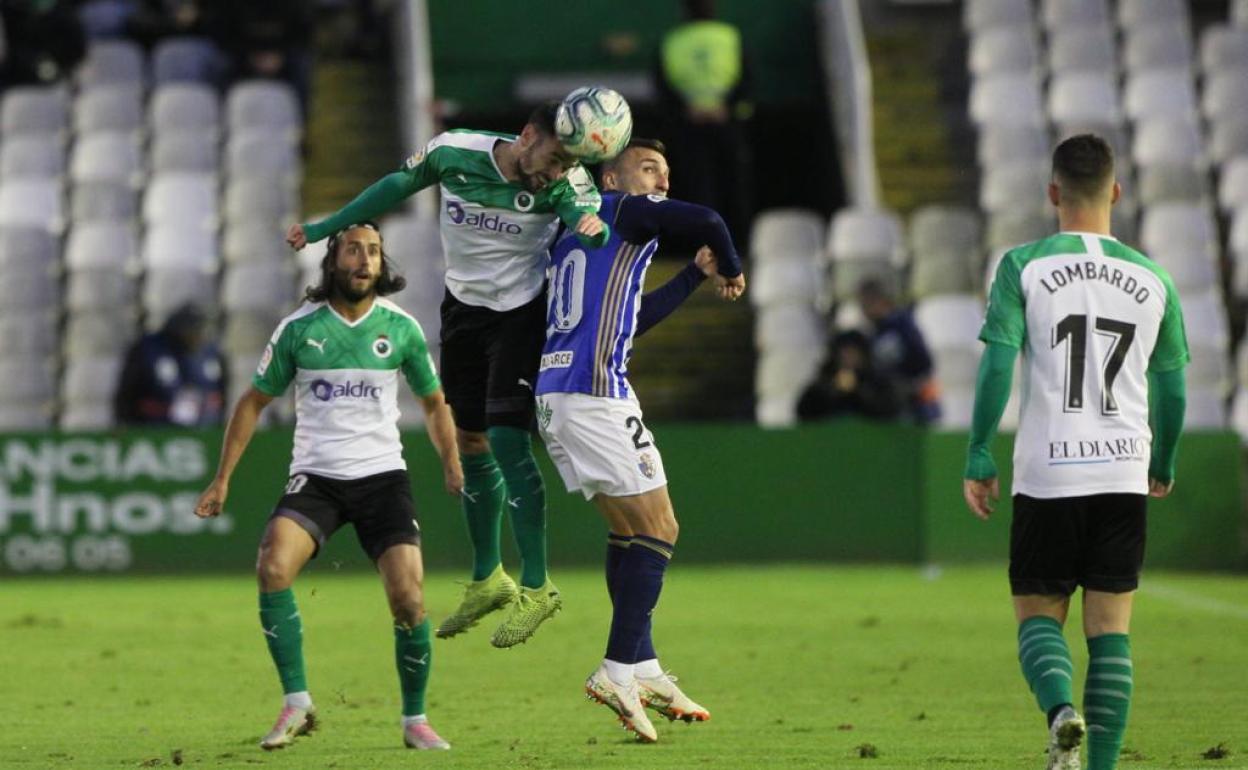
(1092, 317)
(495, 233)
(346, 379)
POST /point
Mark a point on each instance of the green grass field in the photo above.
(800, 666)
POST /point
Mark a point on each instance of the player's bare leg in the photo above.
(402, 575)
(285, 548)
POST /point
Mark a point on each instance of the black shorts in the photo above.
(380, 508)
(489, 362)
(1096, 541)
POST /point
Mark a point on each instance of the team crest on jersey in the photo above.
(266, 358)
(382, 347)
(523, 201)
(414, 161)
(544, 413)
(646, 464)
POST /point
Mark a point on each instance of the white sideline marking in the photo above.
(1195, 600)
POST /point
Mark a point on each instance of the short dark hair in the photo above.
(636, 141)
(387, 283)
(543, 117)
(1083, 166)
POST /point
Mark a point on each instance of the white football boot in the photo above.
(624, 701)
(292, 722)
(662, 695)
(1065, 737)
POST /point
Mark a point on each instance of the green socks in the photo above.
(413, 654)
(482, 499)
(526, 500)
(1107, 698)
(1046, 663)
(283, 631)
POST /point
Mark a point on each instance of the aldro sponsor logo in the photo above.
(480, 220)
(324, 390)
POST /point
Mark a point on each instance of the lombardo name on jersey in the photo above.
(76, 503)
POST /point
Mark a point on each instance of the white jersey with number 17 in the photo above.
(1092, 317)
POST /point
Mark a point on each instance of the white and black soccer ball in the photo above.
(594, 124)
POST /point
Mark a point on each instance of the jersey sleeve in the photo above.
(1006, 322)
(418, 366)
(1170, 352)
(424, 168)
(277, 364)
(575, 195)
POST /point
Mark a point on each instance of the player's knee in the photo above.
(272, 573)
(407, 608)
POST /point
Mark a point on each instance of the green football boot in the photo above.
(526, 614)
(481, 597)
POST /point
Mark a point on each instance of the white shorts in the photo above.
(600, 445)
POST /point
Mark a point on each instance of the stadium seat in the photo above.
(33, 155)
(1158, 47)
(25, 334)
(1181, 228)
(950, 321)
(1223, 48)
(187, 59)
(107, 156)
(941, 229)
(779, 234)
(180, 247)
(263, 104)
(196, 152)
(1204, 318)
(257, 198)
(247, 332)
(1162, 182)
(91, 378)
(28, 244)
(112, 62)
(86, 416)
(27, 380)
(184, 107)
(786, 281)
(788, 327)
(103, 19)
(1161, 140)
(1083, 49)
(1160, 94)
(1059, 14)
(102, 245)
(415, 243)
(1142, 13)
(40, 110)
(1084, 97)
(1237, 242)
(944, 274)
(1233, 185)
(166, 290)
(257, 287)
(849, 274)
(109, 108)
(31, 289)
(1006, 99)
(1012, 228)
(780, 378)
(260, 154)
(103, 201)
(257, 240)
(982, 15)
(1016, 186)
(1003, 143)
(32, 203)
(866, 234)
(1004, 49)
(1225, 97)
(1229, 139)
(182, 198)
(1210, 366)
(101, 330)
(1206, 409)
(15, 417)
(92, 289)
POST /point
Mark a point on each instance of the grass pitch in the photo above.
(804, 667)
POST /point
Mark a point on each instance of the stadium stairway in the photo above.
(352, 132)
(697, 364)
(924, 144)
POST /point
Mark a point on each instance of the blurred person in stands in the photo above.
(703, 83)
(156, 19)
(268, 40)
(898, 352)
(173, 376)
(850, 385)
(43, 40)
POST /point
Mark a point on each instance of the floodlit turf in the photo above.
(800, 667)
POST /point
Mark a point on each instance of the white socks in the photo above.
(419, 719)
(620, 673)
(298, 700)
(648, 669)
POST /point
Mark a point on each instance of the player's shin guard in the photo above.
(283, 632)
(1107, 698)
(1046, 662)
(526, 500)
(636, 594)
(413, 655)
(484, 492)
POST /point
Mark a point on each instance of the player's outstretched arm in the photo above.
(377, 199)
(441, 428)
(238, 433)
(1167, 397)
(992, 392)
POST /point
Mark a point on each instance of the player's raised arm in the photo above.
(418, 172)
(238, 433)
(577, 200)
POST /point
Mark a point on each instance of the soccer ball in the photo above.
(594, 124)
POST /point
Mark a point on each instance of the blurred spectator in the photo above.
(43, 40)
(702, 84)
(270, 39)
(849, 384)
(898, 351)
(174, 376)
(156, 19)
